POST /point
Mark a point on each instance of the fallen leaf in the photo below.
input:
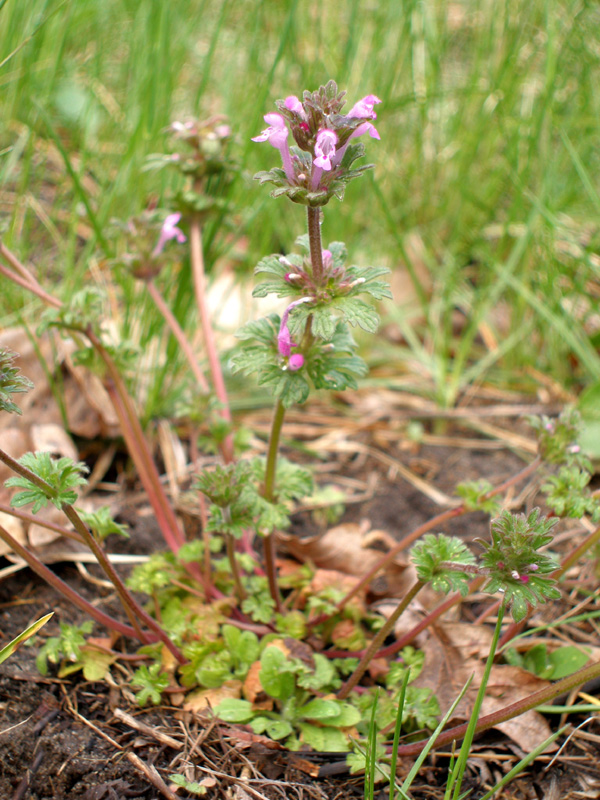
(253, 690)
(508, 685)
(204, 699)
(347, 548)
(445, 673)
(52, 438)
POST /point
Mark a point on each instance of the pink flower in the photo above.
(364, 108)
(325, 148)
(284, 338)
(524, 578)
(293, 104)
(169, 231)
(276, 134)
(296, 362)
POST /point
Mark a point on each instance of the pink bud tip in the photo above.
(524, 578)
(296, 362)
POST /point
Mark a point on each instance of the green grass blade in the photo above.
(10, 648)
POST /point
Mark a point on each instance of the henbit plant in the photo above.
(225, 618)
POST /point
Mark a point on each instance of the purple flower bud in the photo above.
(296, 362)
(327, 259)
(533, 567)
(169, 231)
(524, 578)
(293, 104)
(284, 338)
(291, 276)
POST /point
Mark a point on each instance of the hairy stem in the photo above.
(179, 334)
(434, 522)
(130, 606)
(316, 250)
(33, 520)
(268, 493)
(63, 588)
(380, 637)
(539, 698)
(235, 569)
(197, 259)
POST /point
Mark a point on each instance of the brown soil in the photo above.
(60, 739)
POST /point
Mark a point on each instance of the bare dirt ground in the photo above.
(68, 739)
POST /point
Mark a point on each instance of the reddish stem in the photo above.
(179, 334)
(63, 588)
(541, 697)
(444, 516)
(197, 259)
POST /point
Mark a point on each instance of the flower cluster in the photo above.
(319, 165)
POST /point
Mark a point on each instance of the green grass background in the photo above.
(485, 187)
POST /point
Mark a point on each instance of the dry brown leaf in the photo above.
(452, 654)
(15, 527)
(53, 439)
(507, 685)
(445, 672)
(253, 690)
(352, 550)
(203, 699)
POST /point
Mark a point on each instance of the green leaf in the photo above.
(275, 728)
(62, 475)
(319, 709)
(11, 382)
(152, 682)
(324, 739)
(232, 710)
(355, 311)
(566, 661)
(276, 674)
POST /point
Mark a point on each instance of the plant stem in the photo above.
(539, 698)
(133, 609)
(130, 606)
(197, 259)
(316, 250)
(26, 280)
(140, 453)
(434, 522)
(63, 588)
(410, 635)
(33, 520)
(268, 492)
(459, 770)
(235, 569)
(179, 334)
(378, 640)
